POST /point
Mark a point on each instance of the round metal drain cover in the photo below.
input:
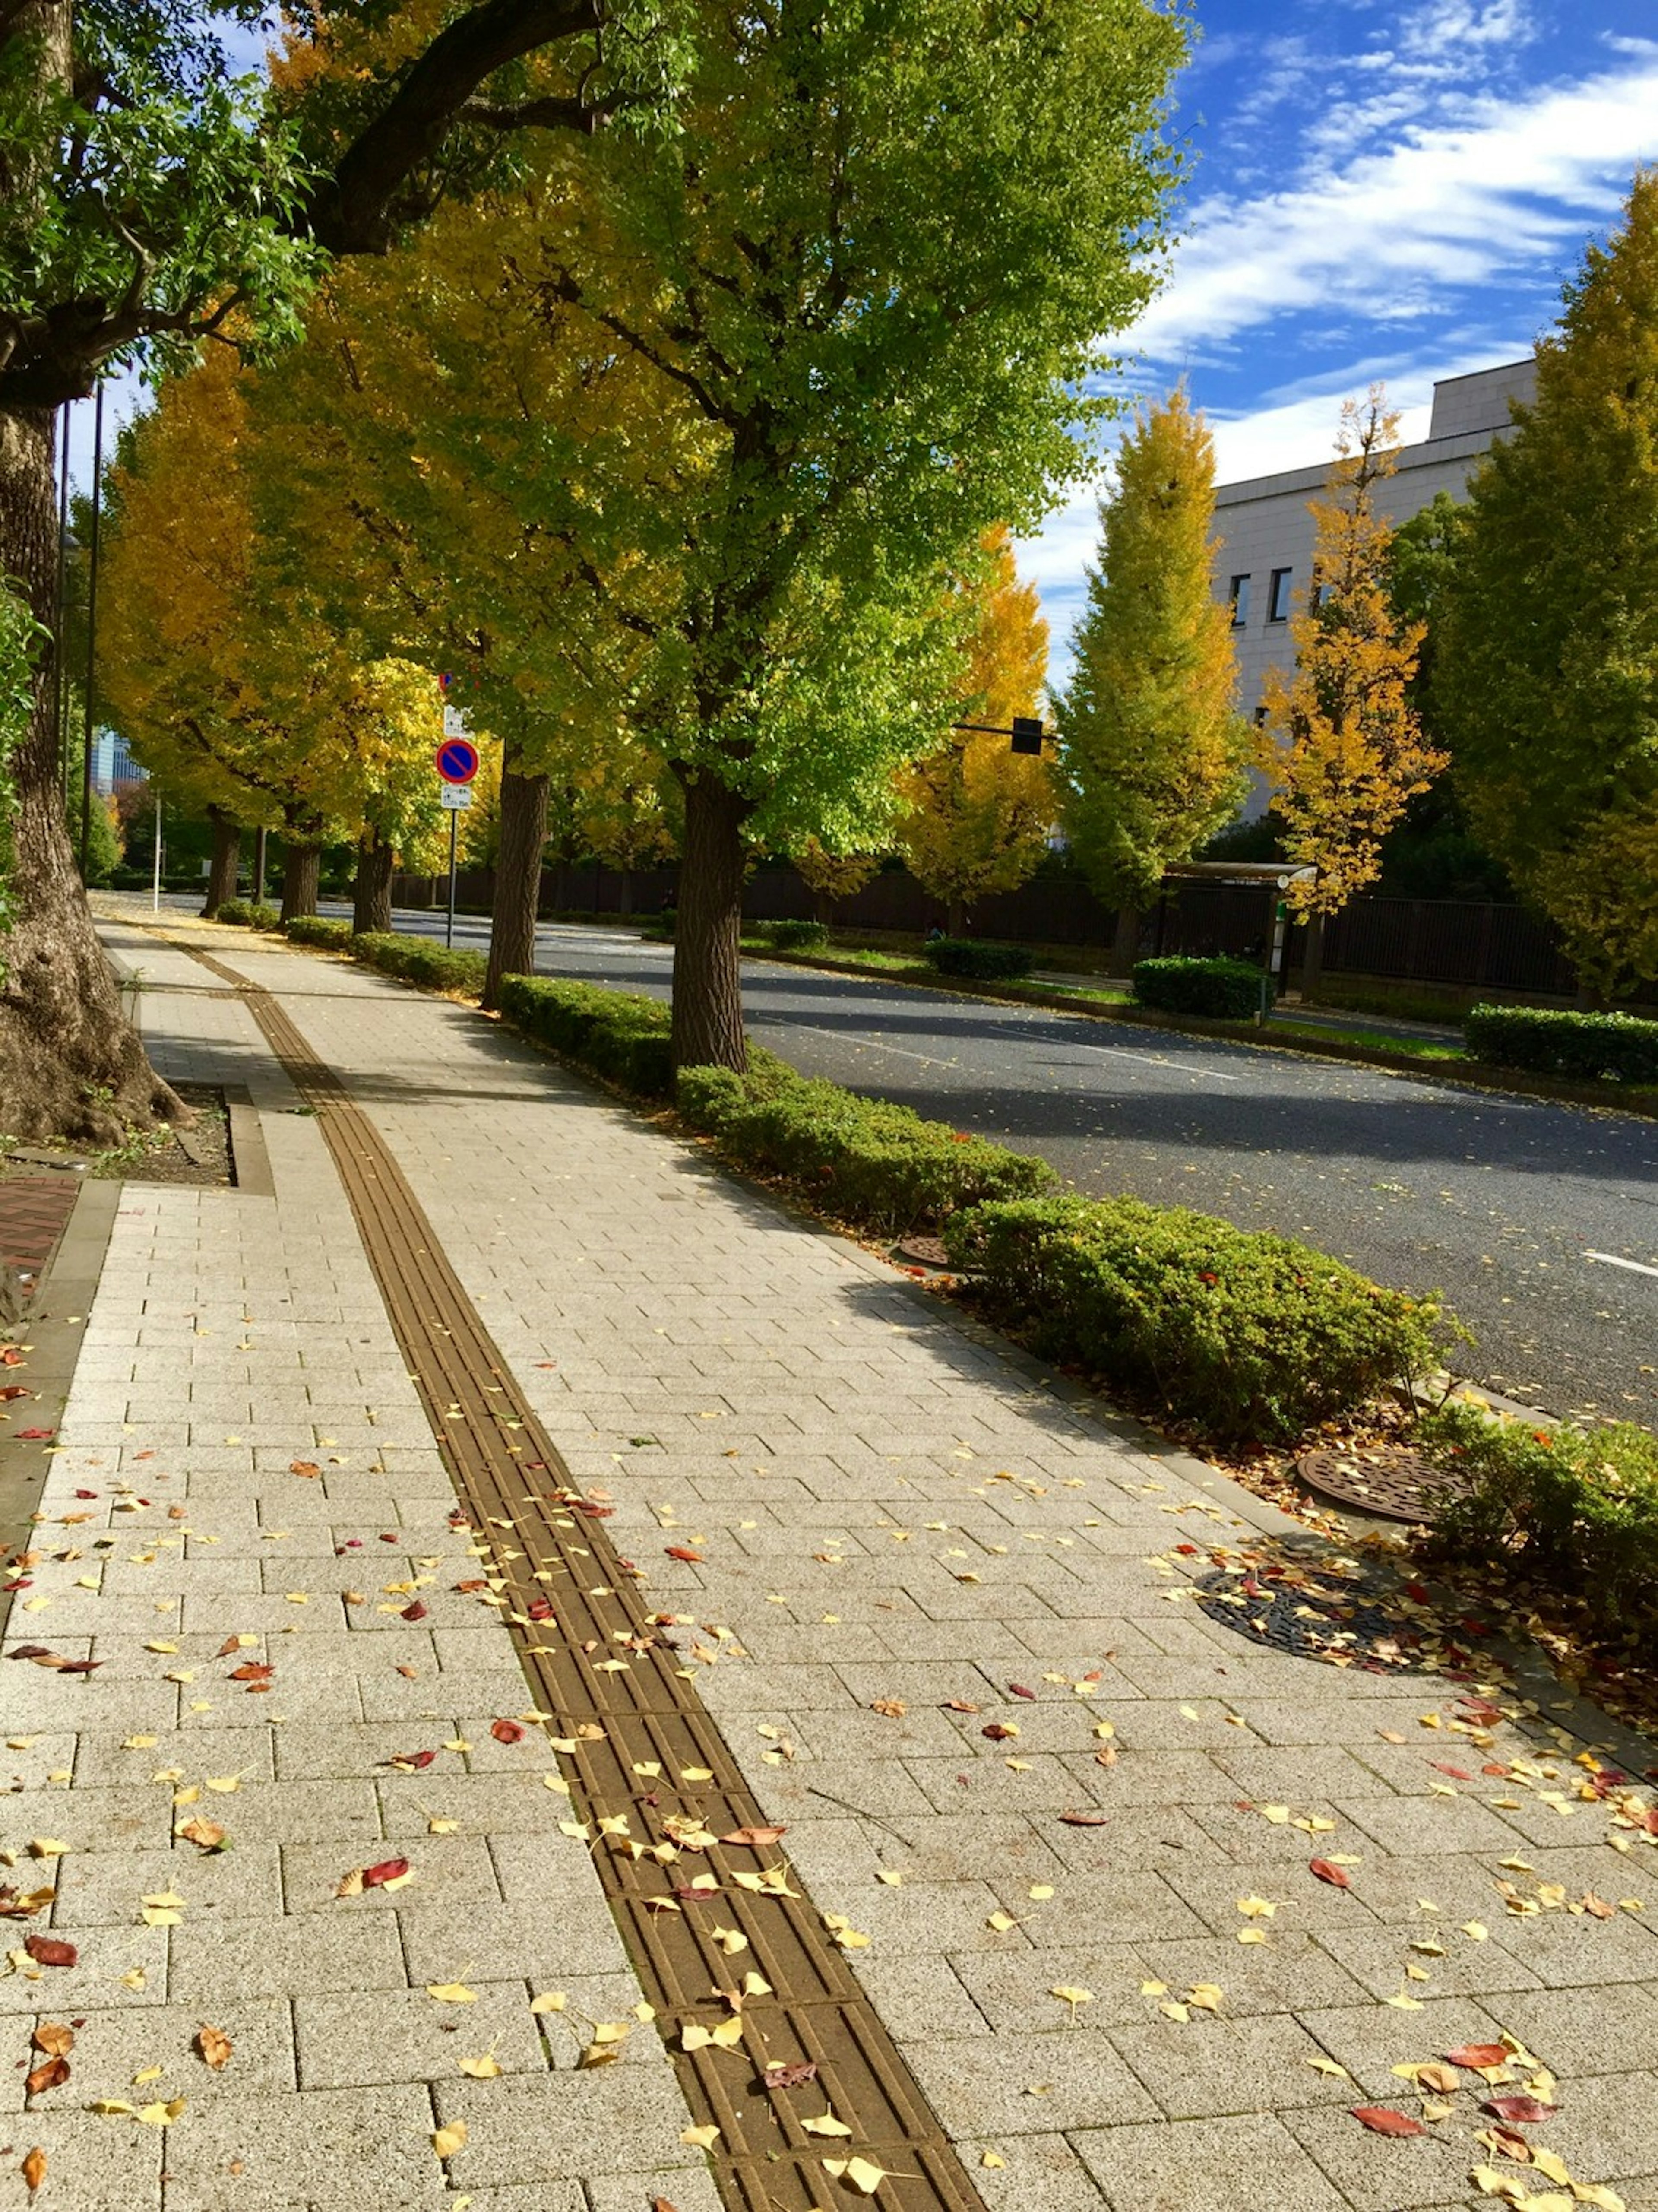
(1345, 1616)
(1389, 1480)
(923, 1251)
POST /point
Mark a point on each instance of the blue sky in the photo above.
(1380, 189)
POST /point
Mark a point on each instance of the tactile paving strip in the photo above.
(604, 1666)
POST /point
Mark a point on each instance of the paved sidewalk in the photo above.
(901, 1540)
(248, 1498)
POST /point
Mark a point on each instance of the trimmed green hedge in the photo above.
(795, 936)
(613, 1032)
(319, 929)
(865, 1159)
(986, 964)
(1249, 1336)
(1572, 1511)
(242, 914)
(1552, 1041)
(422, 960)
(1219, 990)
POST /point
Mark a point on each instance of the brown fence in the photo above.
(1458, 944)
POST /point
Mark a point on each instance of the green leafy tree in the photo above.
(872, 274)
(1153, 748)
(147, 195)
(1548, 669)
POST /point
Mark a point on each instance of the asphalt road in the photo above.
(1516, 1209)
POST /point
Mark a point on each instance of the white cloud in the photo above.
(1449, 208)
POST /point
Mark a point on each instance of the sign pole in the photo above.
(449, 931)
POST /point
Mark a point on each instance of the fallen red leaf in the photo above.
(506, 1731)
(998, 1731)
(684, 1552)
(1084, 1819)
(1382, 2120)
(415, 1612)
(1476, 2054)
(754, 1839)
(50, 2074)
(792, 2077)
(1020, 1691)
(412, 1759)
(231, 1645)
(307, 1468)
(1523, 2111)
(35, 1436)
(475, 1582)
(540, 1609)
(252, 1670)
(388, 1870)
(1335, 1875)
(34, 2170)
(50, 1951)
(1456, 1773)
(960, 1705)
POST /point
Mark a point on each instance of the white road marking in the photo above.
(1612, 1260)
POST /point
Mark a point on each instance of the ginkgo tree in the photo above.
(288, 724)
(872, 270)
(147, 195)
(1342, 742)
(977, 816)
(1152, 746)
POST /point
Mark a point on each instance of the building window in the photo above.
(1239, 598)
(1278, 603)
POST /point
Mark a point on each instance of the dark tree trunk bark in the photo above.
(371, 892)
(1125, 945)
(258, 866)
(225, 866)
(69, 1063)
(518, 875)
(1312, 956)
(955, 918)
(624, 904)
(301, 864)
(708, 988)
(823, 907)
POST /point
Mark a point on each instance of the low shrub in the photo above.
(421, 960)
(1216, 990)
(1573, 1511)
(317, 929)
(1247, 1336)
(614, 1033)
(986, 964)
(242, 914)
(1553, 1041)
(795, 936)
(865, 1159)
(661, 926)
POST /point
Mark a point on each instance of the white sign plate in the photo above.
(454, 797)
(454, 722)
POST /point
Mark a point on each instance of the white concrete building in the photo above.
(1265, 530)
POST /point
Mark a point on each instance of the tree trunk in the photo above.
(624, 904)
(955, 918)
(707, 987)
(518, 874)
(301, 864)
(259, 866)
(1125, 945)
(1312, 957)
(371, 892)
(225, 866)
(70, 1066)
(823, 907)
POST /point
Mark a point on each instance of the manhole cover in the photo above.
(1389, 1480)
(1345, 1616)
(923, 1251)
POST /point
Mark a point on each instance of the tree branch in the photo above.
(349, 211)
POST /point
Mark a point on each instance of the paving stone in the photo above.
(1079, 2078)
(214, 1962)
(337, 2150)
(111, 2046)
(106, 1887)
(442, 1947)
(613, 2120)
(1593, 2030)
(1369, 2040)
(1192, 2165)
(1377, 2173)
(1031, 2173)
(1204, 2067)
(93, 2163)
(355, 2039)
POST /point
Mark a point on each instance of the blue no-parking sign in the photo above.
(458, 760)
